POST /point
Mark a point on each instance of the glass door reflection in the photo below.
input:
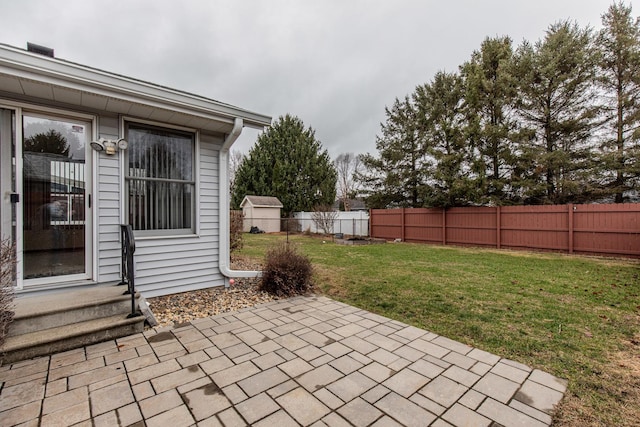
(54, 182)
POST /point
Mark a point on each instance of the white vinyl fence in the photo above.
(347, 223)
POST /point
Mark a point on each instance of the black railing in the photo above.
(128, 248)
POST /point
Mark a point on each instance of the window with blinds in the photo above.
(159, 180)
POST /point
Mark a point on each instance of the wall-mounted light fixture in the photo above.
(109, 146)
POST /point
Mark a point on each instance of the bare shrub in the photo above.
(286, 272)
(324, 217)
(235, 232)
(7, 275)
(291, 225)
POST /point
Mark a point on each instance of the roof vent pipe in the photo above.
(41, 50)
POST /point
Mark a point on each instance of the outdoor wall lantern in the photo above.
(109, 146)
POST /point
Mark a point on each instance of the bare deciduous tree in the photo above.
(324, 217)
(235, 233)
(235, 160)
(347, 166)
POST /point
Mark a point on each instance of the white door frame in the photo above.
(21, 110)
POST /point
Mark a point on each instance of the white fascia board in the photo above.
(36, 67)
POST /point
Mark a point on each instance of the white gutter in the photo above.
(20, 64)
(224, 259)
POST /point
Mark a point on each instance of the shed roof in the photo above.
(28, 75)
(262, 202)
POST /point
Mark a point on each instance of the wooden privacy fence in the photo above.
(611, 229)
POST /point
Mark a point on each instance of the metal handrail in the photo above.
(128, 249)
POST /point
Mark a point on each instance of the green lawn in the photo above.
(575, 317)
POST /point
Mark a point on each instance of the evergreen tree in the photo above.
(519, 127)
(396, 177)
(619, 47)
(490, 92)
(441, 124)
(557, 105)
(50, 141)
(287, 162)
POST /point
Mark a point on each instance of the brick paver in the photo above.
(307, 361)
(460, 415)
(303, 406)
(64, 400)
(538, 396)
(497, 387)
(206, 401)
(68, 416)
(158, 403)
(263, 381)
(257, 408)
(351, 386)
(406, 382)
(111, 397)
(443, 391)
(506, 415)
(360, 413)
(404, 411)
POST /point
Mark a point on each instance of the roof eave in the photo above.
(25, 64)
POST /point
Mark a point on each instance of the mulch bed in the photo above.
(179, 308)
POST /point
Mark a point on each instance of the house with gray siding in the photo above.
(83, 151)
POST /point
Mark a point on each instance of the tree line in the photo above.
(551, 122)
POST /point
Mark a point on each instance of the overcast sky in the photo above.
(335, 64)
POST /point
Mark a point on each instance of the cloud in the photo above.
(335, 64)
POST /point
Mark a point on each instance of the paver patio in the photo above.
(301, 361)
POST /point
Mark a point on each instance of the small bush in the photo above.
(7, 275)
(235, 232)
(286, 272)
(324, 217)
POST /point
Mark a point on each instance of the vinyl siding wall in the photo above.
(107, 202)
(162, 265)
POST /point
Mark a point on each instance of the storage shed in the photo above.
(262, 212)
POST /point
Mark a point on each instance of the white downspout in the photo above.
(224, 258)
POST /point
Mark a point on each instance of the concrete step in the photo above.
(54, 322)
(41, 312)
(67, 337)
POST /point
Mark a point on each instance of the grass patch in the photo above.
(575, 317)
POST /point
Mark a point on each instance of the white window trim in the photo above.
(161, 234)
